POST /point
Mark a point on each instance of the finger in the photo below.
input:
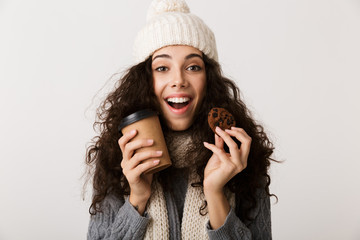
(143, 167)
(220, 153)
(126, 138)
(142, 156)
(135, 173)
(219, 142)
(131, 147)
(233, 147)
(240, 134)
(243, 137)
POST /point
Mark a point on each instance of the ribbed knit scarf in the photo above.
(193, 225)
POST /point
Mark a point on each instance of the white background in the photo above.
(297, 63)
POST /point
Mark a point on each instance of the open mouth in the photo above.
(178, 103)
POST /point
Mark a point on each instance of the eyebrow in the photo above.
(192, 55)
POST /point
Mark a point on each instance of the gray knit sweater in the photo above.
(119, 219)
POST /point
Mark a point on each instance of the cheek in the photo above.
(157, 88)
(156, 91)
(201, 88)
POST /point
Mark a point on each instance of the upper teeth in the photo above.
(178, 100)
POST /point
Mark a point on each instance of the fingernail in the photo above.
(150, 141)
(156, 161)
(159, 152)
(217, 129)
(132, 131)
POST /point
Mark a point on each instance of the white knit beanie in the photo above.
(169, 22)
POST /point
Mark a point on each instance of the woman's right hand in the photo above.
(134, 166)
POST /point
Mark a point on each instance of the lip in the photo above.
(178, 95)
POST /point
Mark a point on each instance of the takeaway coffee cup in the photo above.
(147, 123)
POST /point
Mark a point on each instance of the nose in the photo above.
(178, 80)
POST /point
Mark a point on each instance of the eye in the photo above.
(161, 69)
(194, 68)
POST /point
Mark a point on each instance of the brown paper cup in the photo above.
(147, 123)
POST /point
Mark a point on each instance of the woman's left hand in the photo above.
(223, 166)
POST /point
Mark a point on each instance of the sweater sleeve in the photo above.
(118, 220)
(260, 227)
(234, 228)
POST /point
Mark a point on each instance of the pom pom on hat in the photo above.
(161, 6)
(169, 22)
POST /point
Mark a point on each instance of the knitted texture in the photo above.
(193, 224)
(158, 227)
(169, 22)
(179, 144)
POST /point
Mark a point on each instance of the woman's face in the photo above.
(179, 83)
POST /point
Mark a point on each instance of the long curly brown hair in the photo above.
(134, 91)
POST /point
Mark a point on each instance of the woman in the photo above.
(218, 185)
